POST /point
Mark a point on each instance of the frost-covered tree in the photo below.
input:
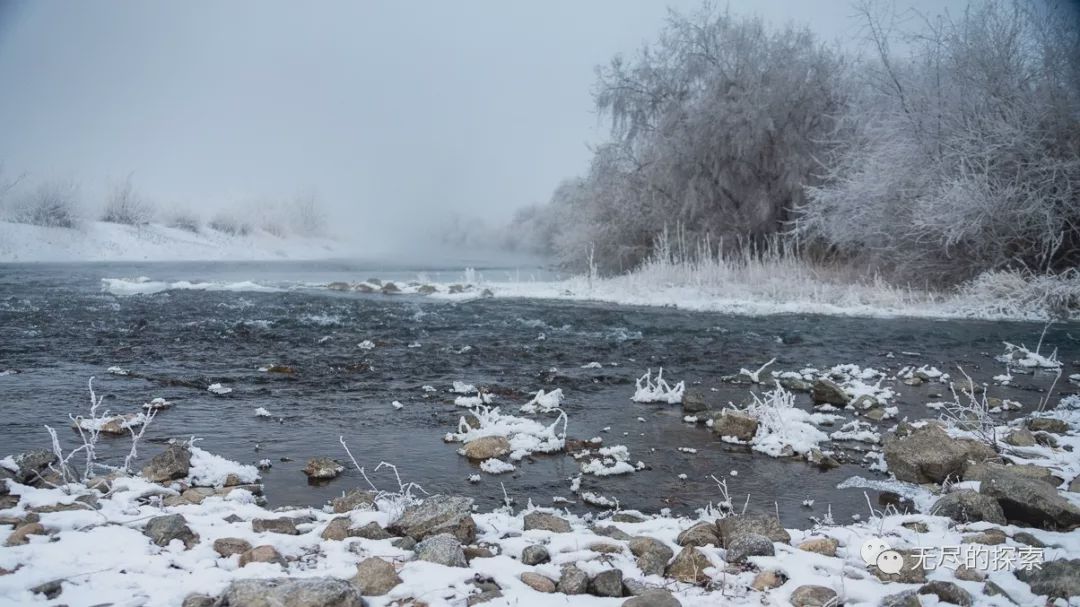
(125, 205)
(962, 155)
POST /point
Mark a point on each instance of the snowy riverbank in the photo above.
(102, 241)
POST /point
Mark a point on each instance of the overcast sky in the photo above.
(395, 112)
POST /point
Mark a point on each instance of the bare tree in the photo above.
(125, 205)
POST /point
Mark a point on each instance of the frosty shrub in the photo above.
(306, 215)
(230, 224)
(124, 205)
(53, 204)
(184, 219)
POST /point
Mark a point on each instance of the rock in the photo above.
(627, 517)
(371, 531)
(875, 415)
(198, 600)
(1027, 539)
(734, 424)
(438, 514)
(969, 507)
(390, 289)
(535, 555)
(911, 572)
(228, 546)
(762, 524)
(813, 596)
(283, 525)
(572, 581)
(907, 598)
(613, 532)
(916, 526)
(1056, 579)
(689, 566)
(353, 500)
(794, 384)
(171, 464)
(1046, 439)
(653, 597)
(321, 468)
(404, 543)
(1047, 424)
(947, 592)
(980, 472)
(823, 545)
(929, 455)
(537, 582)
(827, 391)
(291, 592)
(701, 534)
(767, 580)
(694, 402)
(163, 529)
(33, 465)
(488, 590)
(337, 529)
(864, 402)
(1020, 438)
(1030, 502)
(50, 590)
(652, 554)
(487, 447)
(444, 549)
(825, 462)
(748, 544)
(606, 583)
(546, 522)
(967, 574)
(262, 554)
(375, 577)
(427, 289)
(989, 537)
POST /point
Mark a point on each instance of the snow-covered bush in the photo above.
(783, 428)
(648, 390)
(184, 219)
(230, 224)
(126, 206)
(53, 204)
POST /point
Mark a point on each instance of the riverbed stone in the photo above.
(228, 546)
(1057, 579)
(322, 468)
(375, 577)
(929, 455)
(813, 596)
(539, 583)
(21, 535)
(171, 464)
(947, 592)
(198, 600)
(734, 424)
(337, 529)
(1021, 437)
(733, 526)
(968, 574)
(821, 545)
(163, 529)
(535, 555)
(701, 534)
(546, 522)
(652, 554)
(438, 514)
(262, 554)
(969, 507)
(1047, 424)
(911, 572)
(689, 566)
(613, 532)
(694, 402)
(282, 525)
(32, 466)
(573, 581)
(767, 580)
(607, 583)
(1025, 538)
(444, 549)
(370, 531)
(981, 472)
(353, 500)
(486, 447)
(826, 391)
(987, 537)
(653, 597)
(1030, 502)
(747, 545)
(291, 592)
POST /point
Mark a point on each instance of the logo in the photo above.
(878, 553)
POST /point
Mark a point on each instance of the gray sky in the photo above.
(395, 112)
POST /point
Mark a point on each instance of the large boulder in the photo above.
(322, 468)
(689, 566)
(734, 424)
(737, 525)
(652, 554)
(375, 577)
(653, 597)
(607, 583)
(912, 569)
(353, 500)
(435, 515)
(487, 447)
(826, 391)
(539, 583)
(980, 472)
(573, 581)
(228, 546)
(546, 522)
(1030, 502)
(694, 402)
(813, 596)
(929, 455)
(748, 544)
(164, 529)
(284, 525)
(444, 549)
(700, 534)
(535, 554)
(1047, 424)
(262, 554)
(33, 465)
(1056, 579)
(969, 507)
(291, 592)
(947, 592)
(171, 464)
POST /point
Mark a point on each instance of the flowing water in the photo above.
(58, 328)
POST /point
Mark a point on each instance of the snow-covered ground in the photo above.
(102, 241)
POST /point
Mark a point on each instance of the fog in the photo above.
(399, 115)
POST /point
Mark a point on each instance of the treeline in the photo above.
(950, 147)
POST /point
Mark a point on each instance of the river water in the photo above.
(58, 327)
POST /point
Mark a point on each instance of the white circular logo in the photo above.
(871, 548)
(890, 561)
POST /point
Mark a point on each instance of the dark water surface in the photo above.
(59, 328)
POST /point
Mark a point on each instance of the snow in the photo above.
(102, 241)
(544, 402)
(1019, 356)
(658, 391)
(526, 436)
(219, 389)
(462, 388)
(397, 405)
(783, 428)
(126, 422)
(142, 285)
(262, 412)
(367, 344)
(209, 470)
(612, 461)
(496, 466)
